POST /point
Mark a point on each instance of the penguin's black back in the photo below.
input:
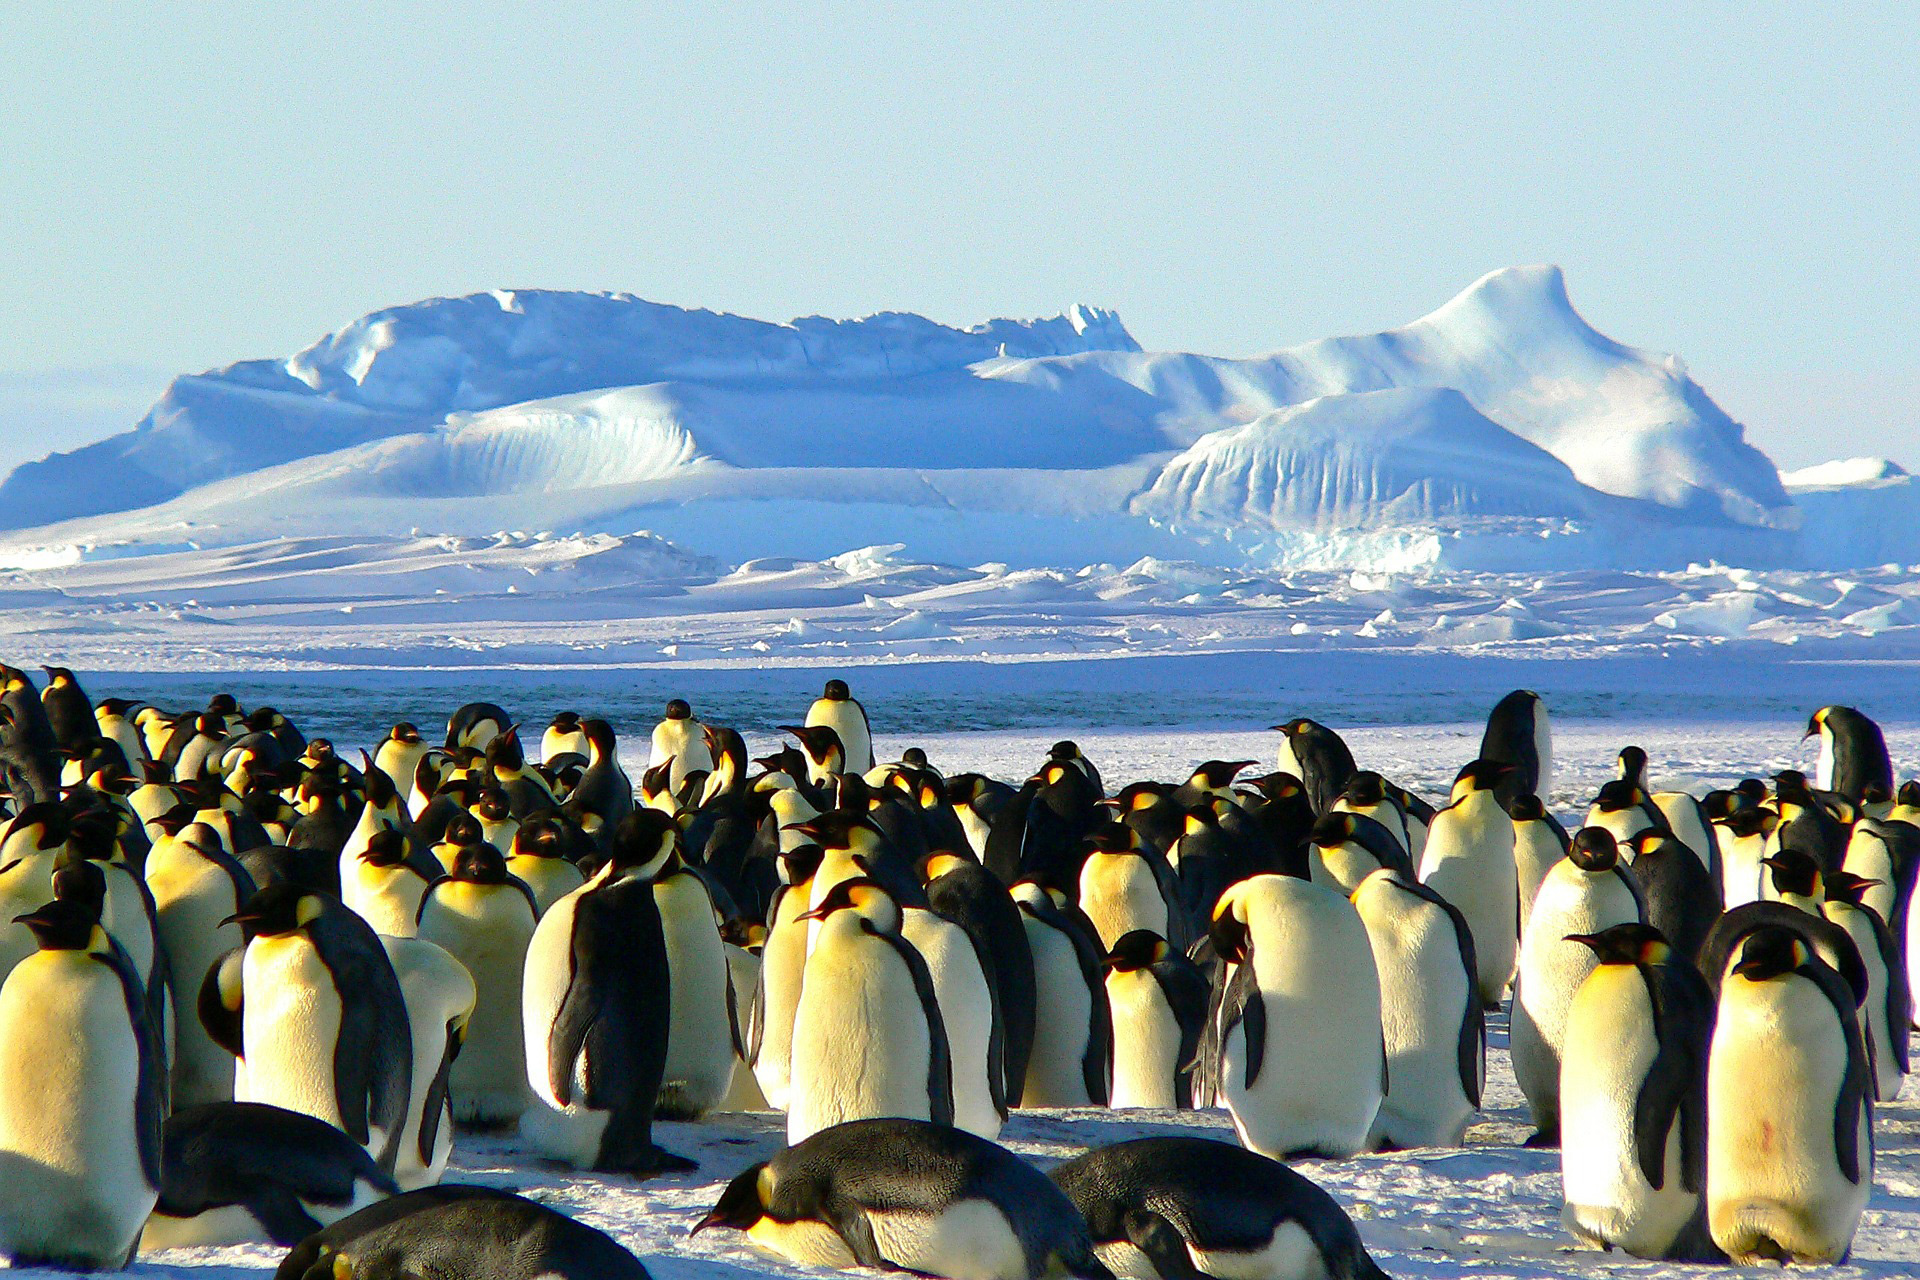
(1509, 740)
(1678, 891)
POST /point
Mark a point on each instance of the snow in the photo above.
(1843, 473)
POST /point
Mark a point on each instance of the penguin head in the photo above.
(58, 677)
(1480, 775)
(1137, 949)
(78, 879)
(798, 864)
(1218, 775)
(940, 863)
(378, 788)
(644, 841)
(1527, 808)
(1228, 929)
(492, 805)
(1908, 796)
(915, 758)
(65, 926)
(1791, 785)
(1845, 886)
(743, 1204)
(95, 835)
(504, 753)
(1114, 837)
(1066, 750)
(1295, 727)
(1655, 844)
(1278, 787)
(836, 691)
(1795, 873)
(1138, 797)
(1333, 829)
(37, 828)
(841, 829)
(385, 848)
(566, 722)
(1769, 953)
(1748, 823)
(600, 739)
(223, 705)
(479, 864)
(1631, 765)
(277, 910)
(820, 742)
(1365, 789)
(1593, 849)
(1619, 795)
(867, 898)
(1816, 722)
(404, 733)
(113, 708)
(679, 709)
(541, 836)
(1627, 944)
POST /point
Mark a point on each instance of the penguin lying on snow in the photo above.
(1179, 1208)
(906, 1195)
(460, 1231)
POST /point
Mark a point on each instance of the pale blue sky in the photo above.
(184, 187)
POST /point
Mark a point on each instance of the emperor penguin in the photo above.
(1886, 1015)
(440, 996)
(321, 1022)
(1158, 1000)
(1587, 892)
(245, 1172)
(1347, 847)
(1743, 837)
(597, 1008)
(868, 1038)
(563, 737)
(783, 960)
(29, 850)
(836, 708)
(825, 755)
(968, 894)
(700, 1037)
(1679, 895)
(969, 1014)
(197, 889)
(386, 882)
(539, 859)
(1624, 810)
(1318, 757)
(1539, 841)
(1789, 1108)
(604, 795)
(1430, 1012)
(1633, 1099)
(900, 1194)
(485, 919)
(398, 756)
(1165, 1208)
(1887, 852)
(1072, 1024)
(1127, 885)
(69, 710)
(84, 1100)
(1853, 753)
(475, 725)
(1469, 862)
(112, 722)
(977, 800)
(680, 740)
(1519, 734)
(1299, 958)
(1367, 794)
(127, 913)
(460, 1230)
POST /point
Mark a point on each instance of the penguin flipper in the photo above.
(1099, 1055)
(433, 1108)
(1245, 1008)
(222, 1003)
(150, 1095)
(1163, 1244)
(853, 1227)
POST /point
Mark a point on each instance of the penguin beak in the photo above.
(711, 1220)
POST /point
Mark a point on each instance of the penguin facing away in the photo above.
(1318, 757)
(1178, 1208)
(1518, 734)
(906, 1195)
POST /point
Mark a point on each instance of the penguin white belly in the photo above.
(1609, 1201)
(570, 1133)
(1124, 1259)
(975, 827)
(290, 1027)
(1551, 971)
(125, 917)
(1146, 1043)
(1469, 862)
(699, 1037)
(26, 886)
(1535, 850)
(69, 1078)
(1740, 869)
(1773, 1078)
(967, 1240)
(1869, 858)
(191, 903)
(783, 963)
(1423, 1001)
(805, 1241)
(1119, 895)
(1063, 1014)
(1682, 813)
(227, 1225)
(860, 1041)
(437, 990)
(850, 723)
(1823, 768)
(551, 879)
(487, 929)
(1291, 1255)
(966, 1009)
(387, 898)
(1341, 866)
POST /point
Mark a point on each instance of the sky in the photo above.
(186, 186)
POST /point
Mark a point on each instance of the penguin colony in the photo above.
(254, 990)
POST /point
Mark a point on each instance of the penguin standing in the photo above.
(969, 895)
(1519, 734)
(197, 889)
(604, 795)
(783, 960)
(440, 997)
(69, 710)
(1430, 1012)
(836, 708)
(1345, 848)
(1166, 1208)
(563, 737)
(905, 1195)
(1539, 841)
(83, 1099)
(485, 919)
(1125, 885)
(699, 1039)
(386, 882)
(1588, 892)
(29, 850)
(539, 859)
(1302, 1060)
(1157, 999)
(1853, 753)
(1680, 897)
(597, 1008)
(680, 741)
(1633, 1099)
(970, 1015)
(1318, 757)
(398, 756)
(1789, 1108)
(1469, 862)
(475, 725)
(1886, 1015)
(1072, 1026)
(868, 1038)
(1743, 838)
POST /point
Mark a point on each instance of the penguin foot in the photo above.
(655, 1163)
(1543, 1139)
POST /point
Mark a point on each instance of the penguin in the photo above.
(1888, 852)
(440, 996)
(85, 1095)
(245, 1172)
(539, 859)
(1040, 831)
(1157, 999)
(1183, 1207)
(1853, 753)
(1366, 794)
(1789, 1108)
(603, 797)
(904, 1195)
(1072, 1025)
(820, 745)
(783, 959)
(977, 800)
(1430, 1012)
(969, 895)
(1678, 892)
(868, 1038)
(459, 1231)
(1539, 841)
(127, 913)
(1347, 847)
(1587, 892)
(475, 725)
(1316, 755)
(29, 850)
(563, 737)
(700, 1038)
(1886, 1015)
(1906, 804)
(1300, 959)
(1204, 860)
(1518, 734)
(1633, 1102)
(597, 1009)
(836, 708)
(1687, 821)
(1806, 824)
(484, 918)
(743, 941)
(1469, 862)
(398, 756)
(969, 1014)
(322, 1024)
(1743, 838)
(386, 882)
(1794, 878)
(69, 710)
(681, 741)
(1623, 810)
(1125, 885)
(525, 789)
(197, 888)
(112, 721)
(1277, 805)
